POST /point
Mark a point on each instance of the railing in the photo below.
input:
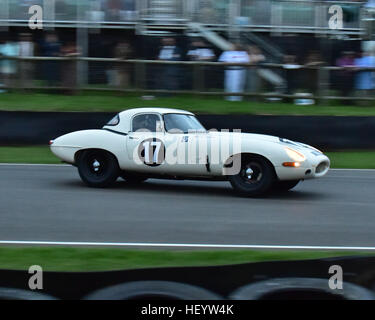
(173, 77)
(279, 15)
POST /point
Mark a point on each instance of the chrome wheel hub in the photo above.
(252, 173)
(96, 165)
(249, 173)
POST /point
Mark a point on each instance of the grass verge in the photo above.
(352, 159)
(42, 154)
(103, 259)
(30, 154)
(214, 105)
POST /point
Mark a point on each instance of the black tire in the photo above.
(283, 186)
(255, 182)
(133, 178)
(98, 168)
(152, 290)
(20, 294)
(299, 289)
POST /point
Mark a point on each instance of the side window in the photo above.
(146, 122)
(114, 121)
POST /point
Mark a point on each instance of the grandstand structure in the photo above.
(155, 16)
(277, 27)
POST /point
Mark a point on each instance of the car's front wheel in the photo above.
(98, 168)
(255, 178)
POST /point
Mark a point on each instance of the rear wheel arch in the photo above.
(82, 151)
(97, 167)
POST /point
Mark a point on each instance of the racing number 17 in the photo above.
(155, 151)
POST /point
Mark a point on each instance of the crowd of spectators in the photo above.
(297, 77)
(242, 69)
(349, 80)
(364, 81)
(22, 73)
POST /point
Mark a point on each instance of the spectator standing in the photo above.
(123, 51)
(345, 79)
(69, 70)
(8, 67)
(170, 73)
(291, 68)
(364, 80)
(201, 52)
(26, 68)
(51, 47)
(313, 60)
(370, 4)
(256, 56)
(235, 76)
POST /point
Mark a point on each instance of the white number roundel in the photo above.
(152, 152)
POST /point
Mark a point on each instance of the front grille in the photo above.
(323, 166)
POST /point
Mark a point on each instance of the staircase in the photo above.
(271, 51)
(197, 29)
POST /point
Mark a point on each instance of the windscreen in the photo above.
(182, 122)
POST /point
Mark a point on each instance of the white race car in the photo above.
(143, 143)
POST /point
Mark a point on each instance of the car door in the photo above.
(151, 149)
(145, 142)
(192, 153)
(187, 149)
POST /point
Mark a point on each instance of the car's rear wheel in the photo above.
(133, 178)
(283, 186)
(98, 168)
(255, 178)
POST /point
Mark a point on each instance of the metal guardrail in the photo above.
(163, 62)
(138, 70)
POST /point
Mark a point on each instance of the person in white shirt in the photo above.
(201, 52)
(169, 51)
(235, 76)
(8, 68)
(26, 68)
(170, 74)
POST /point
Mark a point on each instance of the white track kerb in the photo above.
(68, 165)
(183, 245)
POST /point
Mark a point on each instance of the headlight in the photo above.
(295, 155)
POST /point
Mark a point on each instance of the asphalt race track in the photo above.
(50, 203)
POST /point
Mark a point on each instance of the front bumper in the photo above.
(312, 167)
